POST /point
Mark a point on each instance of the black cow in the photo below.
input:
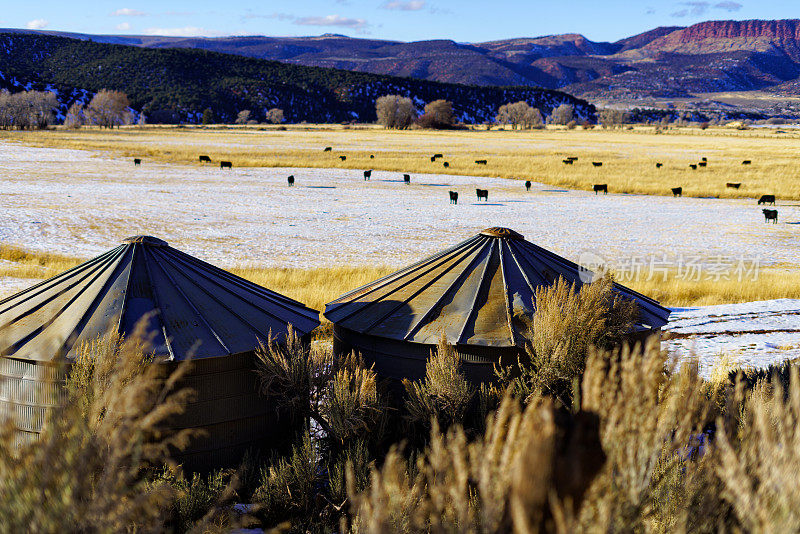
(734, 185)
(481, 162)
(437, 156)
(693, 166)
(600, 187)
(343, 158)
(746, 162)
(702, 164)
(482, 194)
(204, 159)
(677, 191)
(453, 197)
(137, 161)
(573, 158)
(372, 156)
(290, 179)
(659, 165)
(597, 163)
(225, 165)
(704, 159)
(567, 161)
(770, 215)
(767, 199)
(327, 149)
(368, 174)
(528, 185)
(446, 164)
(433, 159)
(407, 178)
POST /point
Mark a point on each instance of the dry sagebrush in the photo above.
(88, 470)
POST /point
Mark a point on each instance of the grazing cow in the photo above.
(482, 194)
(677, 191)
(704, 158)
(137, 161)
(225, 165)
(290, 179)
(597, 163)
(407, 178)
(480, 162)
(746, 162)
(528, 185)
(368, 174)
(600, 187)
(770, 215)
(327, 149)
(204, 159)
(372, 156)
(659, 165)
(446, 164)
(766, 199)
(567, 161)
(343, 158)
(693, 166)
(573, 158)
(702, 164)
(734, 185)
(437, 156)
(453, 197)
(433, 159)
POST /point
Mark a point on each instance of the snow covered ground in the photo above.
(76, 203)
(81, 204)
(751, 334)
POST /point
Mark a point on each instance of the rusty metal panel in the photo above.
(477, 293)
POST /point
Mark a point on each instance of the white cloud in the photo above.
(124, 26)
(332, 20)
(128, 12)
(187, 31)
(37, 24)
(404, 5)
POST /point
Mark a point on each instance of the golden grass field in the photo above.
(628, 156)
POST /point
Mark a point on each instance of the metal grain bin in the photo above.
(478, 294)
(217, 318)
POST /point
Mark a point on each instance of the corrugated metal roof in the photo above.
(479, 292)
(193, 302)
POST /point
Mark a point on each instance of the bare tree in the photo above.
(75, 115)
(563, 114)
(395, 111)
(438, 114)
(27, 110)
(243, 117)
(275, 116)
(612, 118)
(519, 114)
(108, 109)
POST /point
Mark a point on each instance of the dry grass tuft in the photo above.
(89, 468)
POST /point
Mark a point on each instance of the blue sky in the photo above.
(407, 20)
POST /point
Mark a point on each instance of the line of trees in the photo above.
(520, 115)
(27, 110)
(399, 112)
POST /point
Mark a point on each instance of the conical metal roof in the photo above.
(479, 292)
(188, 302)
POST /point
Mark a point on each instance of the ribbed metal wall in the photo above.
(227, 408)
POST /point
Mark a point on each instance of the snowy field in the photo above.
(81, 204)
(751, 334)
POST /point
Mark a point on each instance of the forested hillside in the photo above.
(176, 85)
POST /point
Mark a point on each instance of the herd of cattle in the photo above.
(483, 194)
